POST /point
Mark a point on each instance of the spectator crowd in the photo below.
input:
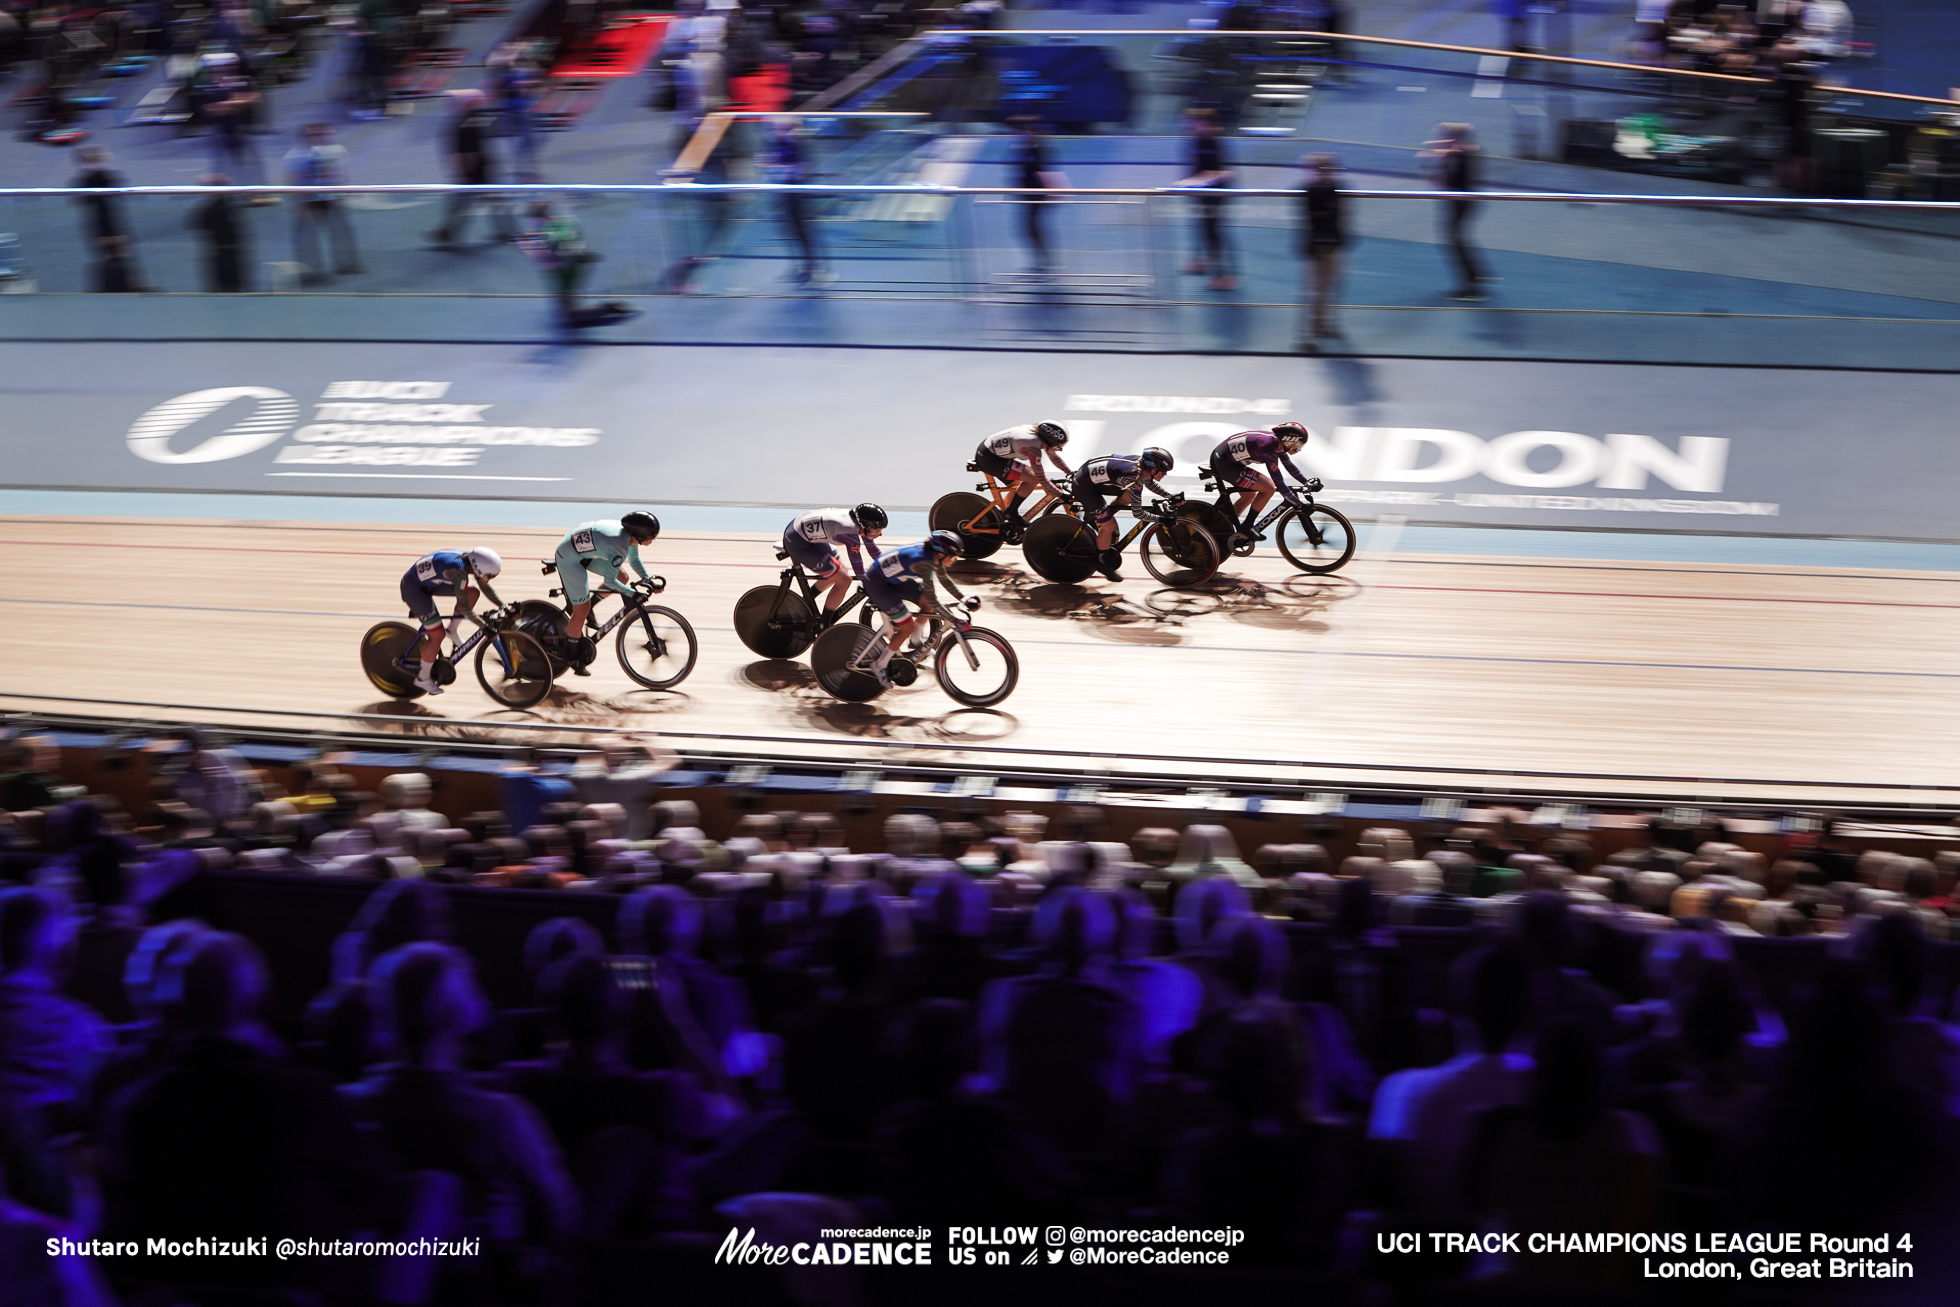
(994, 1018)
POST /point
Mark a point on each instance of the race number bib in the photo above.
(426, 569)
(892, 566)
(1003, 444)
(1102, 474)
(811, 527)
(582, 541)
(1236, 447)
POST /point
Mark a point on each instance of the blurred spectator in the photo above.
(221, 224)
(223, 1135)
(50, 1044)
(513, 83)
(1451, 160)
(1427, 1116)
(1323, 237)
(216, 781)
(783, 163)
(32, 779)
(107, 229)
(470, 164)
(1209, 172)
(1029, 158)
(558, 248)
(319, 160)
(227, 109)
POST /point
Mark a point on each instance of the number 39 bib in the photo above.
(425, 568)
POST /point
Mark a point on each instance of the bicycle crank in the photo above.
(901, 671)
(443, 671)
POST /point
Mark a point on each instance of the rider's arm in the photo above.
(1057, 457)
(1287, 463)
(633, 557)
(941, 573)
(489, 593)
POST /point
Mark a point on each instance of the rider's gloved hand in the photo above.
(1312, 485)
(971, 603)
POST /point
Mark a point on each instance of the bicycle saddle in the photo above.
(547, 565)
(973, 467)
(781, 554)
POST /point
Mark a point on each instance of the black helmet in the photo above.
(1051, 434)
(1293, 435)
(943, 541)
(1157, 459)
(869, 517)
(643, 526)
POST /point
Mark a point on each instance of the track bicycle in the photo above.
(776, 621)
(655, 645)
(1177, 550)
(1313, 537)
(511, 665)
(976, 666)
(982, 520)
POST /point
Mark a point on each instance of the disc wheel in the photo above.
(384, 643)
(982, 673)
(836, 649)
(1321, 541)
(545, 623)
(1180, 553)
(1062, 549)
(1211, 518)
(656, 647)
(513, 669)
(960, 511)
(772, 630)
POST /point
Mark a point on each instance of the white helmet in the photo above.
(485, 562)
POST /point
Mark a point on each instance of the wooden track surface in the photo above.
(1692, 681)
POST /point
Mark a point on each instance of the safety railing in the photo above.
(1075, 260)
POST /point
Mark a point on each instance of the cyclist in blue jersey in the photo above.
(811, 539)
(1232, 462)
(907, 573)
(606, 548)
(446, 572)
(1103, 485)
(1015, 455)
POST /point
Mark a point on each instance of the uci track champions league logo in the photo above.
(1532, 461)
(356, 424)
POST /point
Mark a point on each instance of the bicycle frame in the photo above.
(1280, 505)
(1002, 499)
(411, 655)
(795, 572)
(951, 624)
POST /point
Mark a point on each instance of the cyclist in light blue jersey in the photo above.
(607, 549)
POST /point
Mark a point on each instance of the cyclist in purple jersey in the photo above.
(1234, 462)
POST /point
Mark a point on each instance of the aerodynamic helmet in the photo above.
(869, 517)
(1051, 434)
(485, 562)
(643, 526)
(1292, 436)
(1157, 459)
(943, 541)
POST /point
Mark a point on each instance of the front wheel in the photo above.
(1320, 540)
(831, 659)
(977, 667)
(1062, 549)
(381, 651)
(1179, 553)
(973, 516)
(656, 647)
(513, 669)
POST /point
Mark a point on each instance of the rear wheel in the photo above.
(982, 673)
(1179, 553)
(973, 516)
(774, 630)
(381, 647)
(545, 623)
(1319, 541)
(1062, 549)
(656, 647)
(1211, 518)
(836, 649)
(513, 669)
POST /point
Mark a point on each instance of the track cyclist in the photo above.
(811, 539)
(1014, 456)
(907, 573)
(1232, 464)
(1103, 485)
(446, 572)
(607, 548)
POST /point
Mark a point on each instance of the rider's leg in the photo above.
(577, 591)
(425, 680)
(1253, 500)
(835, 584)
(1020, 487)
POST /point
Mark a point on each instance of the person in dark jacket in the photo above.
(108, 229)
(1452, 163)
(470, 164)
(222, 226)
(1323, 235)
